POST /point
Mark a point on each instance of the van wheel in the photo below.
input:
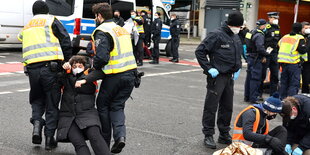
(168, 49)
(75, 50)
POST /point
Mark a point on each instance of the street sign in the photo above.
(171, 2)
(168, 7)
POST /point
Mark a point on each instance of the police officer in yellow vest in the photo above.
(292, 52)
(138, 49)
(252, 126)
(114, 56)
(46, 44)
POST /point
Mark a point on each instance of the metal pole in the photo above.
(194, 16)
(296, 11)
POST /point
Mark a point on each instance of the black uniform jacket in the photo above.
(246, 121)
(175, 28)
(272, 37)
(77, 104)
(156, 28)
(256, 43)
(224, 49)
(299, 128)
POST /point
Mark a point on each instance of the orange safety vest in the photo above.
(238, 131)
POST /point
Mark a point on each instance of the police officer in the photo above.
(138, 51)
(224, 48)
(175, 29)
(156, 32)
(256, 56)
(243, 31)
(306, 65)
(147, 27)
(272, 36)
(296, 119)
(114, 56)
(252, 126)
(292, 50)
(118, 19)
(46, 44)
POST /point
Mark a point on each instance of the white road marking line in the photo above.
(5, 92)
(1, 56)
(6, 73)
(23, 90)
(1, 63)
(168, 73)
(13, 62)
(19, 72)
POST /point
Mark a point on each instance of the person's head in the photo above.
(290, 108)
(157, 15)
(235, 21)
(296, 28)
(261, 24)
(273, 17)
(272, 106)
(117, 14)
(173, 16)
(133, 14)
(102, 11)
(143, 13)
(305, 28)
(40, 7)
(77, 64)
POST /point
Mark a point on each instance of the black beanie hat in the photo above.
(296, 27)
(40, 7)
(235, 18)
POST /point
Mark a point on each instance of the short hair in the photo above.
(104, 9)
(40, 7)
(116, 11)
(77, 59)
(173, 14)
(157, 13)
(288, 103)
(133, 11)
(304, 23)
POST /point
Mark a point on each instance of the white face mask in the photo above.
(276, 21)
(155, 17)
(235, 30)
(307, 31)
(293, 117)
(77, 70)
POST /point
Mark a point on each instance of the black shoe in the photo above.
(154, 62)
(246, 99)
(260, 98)
(254, 102)
(174, 60)
(37, 132)
(50, 143)
(118, 145)
(209, 142)
(140, 64)
(224, 138)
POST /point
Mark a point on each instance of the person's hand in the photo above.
(236, 75)
(288, 149)
(79, 83)
(264, 60)
(66, 66)
(276, 145)
(214, 72)
(297, 151)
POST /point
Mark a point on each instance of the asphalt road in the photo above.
(163, 117)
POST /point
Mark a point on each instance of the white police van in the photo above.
(75, 15)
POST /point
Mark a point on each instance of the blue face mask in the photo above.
(264, 30)
(133, 16)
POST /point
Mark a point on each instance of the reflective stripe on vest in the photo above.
(121, 57)
(288, 49)
(238, 131)
(39, 42)
(139, 27)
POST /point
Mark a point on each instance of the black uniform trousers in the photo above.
(138, 49)
(77, 138)
(175, 41)
(253, 78)
(305, 77)
(44, 97)
(155, 52)
(273, 65)
(114, 92)
(220, 91)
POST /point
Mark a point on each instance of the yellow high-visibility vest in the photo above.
(39, 42)
(288, 49)
(121, 57)
(139, 27)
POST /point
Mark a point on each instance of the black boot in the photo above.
(140, 63)
(154, 61)
(118, 145)
(224, 138)
(209, 142)
(37, 132)
(50, 143)
(175, 60)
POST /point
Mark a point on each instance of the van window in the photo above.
(61, 7)
(163, 15)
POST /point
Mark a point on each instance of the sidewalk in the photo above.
(191, 41)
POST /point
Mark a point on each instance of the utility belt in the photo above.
(55, 66)
(256, 55)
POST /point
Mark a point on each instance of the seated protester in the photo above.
(78, 117)
(296, 119)
(251, 126)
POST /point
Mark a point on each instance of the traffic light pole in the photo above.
(296, 11)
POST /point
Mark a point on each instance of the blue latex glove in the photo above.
(288, 149)
(236, 74)
(297, 151)
(244, 52)
(214, 72)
